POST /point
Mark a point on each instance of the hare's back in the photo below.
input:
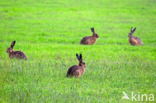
(139, 40)
(86, 40)
(19, 54)
(73, 71)
(136, 41)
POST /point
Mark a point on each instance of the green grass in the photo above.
(49, 31)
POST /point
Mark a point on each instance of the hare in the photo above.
(134, 40)
(15, 54)
(90, 40)
(77, 70)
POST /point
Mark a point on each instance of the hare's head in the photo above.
(94, 33)
(10, 49)
(81, 63)
(132, 30)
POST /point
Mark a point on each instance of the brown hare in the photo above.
(90, 40)
(77, 70)
(134, 40)
(15, 54)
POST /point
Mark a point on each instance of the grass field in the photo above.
(49, 32)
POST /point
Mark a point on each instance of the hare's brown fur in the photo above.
(90, 40)
(77, 70)
(15, 54)
(134, 40)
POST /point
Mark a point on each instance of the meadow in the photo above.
(49, 32)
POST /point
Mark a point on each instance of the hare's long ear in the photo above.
(93, 30)
(81, 57)
(134, 30)
(12, 44)
(77, 56)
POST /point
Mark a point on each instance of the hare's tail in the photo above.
(142, 43)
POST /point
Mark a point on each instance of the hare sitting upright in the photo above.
(89, 40)
(15, 54)
(77, 70)
(134, 40)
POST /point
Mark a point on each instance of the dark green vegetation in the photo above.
(49, 31)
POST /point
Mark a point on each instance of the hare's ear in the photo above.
(134, 29)
(12, 44)
(80, 57)
(77, 56)
(92, 29)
